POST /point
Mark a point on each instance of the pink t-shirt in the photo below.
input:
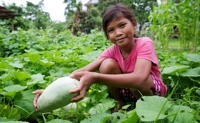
(143, 49)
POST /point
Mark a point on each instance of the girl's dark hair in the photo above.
(115, 10)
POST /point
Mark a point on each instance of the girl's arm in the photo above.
(93, 66)
(139, 79)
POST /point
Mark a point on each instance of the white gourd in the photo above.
(57, 94)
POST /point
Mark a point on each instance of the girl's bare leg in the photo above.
(146, 91)
(110, 66)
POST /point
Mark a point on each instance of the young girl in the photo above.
(129, 68)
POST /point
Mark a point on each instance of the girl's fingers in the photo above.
(35, 101)
(81, 89)
(79, 97)
(76, 75)
(38, 91)
(71, 75)
(78, 89)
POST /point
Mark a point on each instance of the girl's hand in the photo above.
(37, 93)
(86, 78)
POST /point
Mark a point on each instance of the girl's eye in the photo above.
(122, 25)
(110, 30)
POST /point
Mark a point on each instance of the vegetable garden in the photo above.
(32, 59)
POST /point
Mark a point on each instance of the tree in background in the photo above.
(79, 20)
(36, 15)
(91, 18)
(18, 21)
(141, 8)
(70, 8)
(32, 16)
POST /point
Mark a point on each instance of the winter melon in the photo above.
(57, 94)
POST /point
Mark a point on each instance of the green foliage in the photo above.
(163, 111)
(32, 16)
(33, 59)
(177, 20)
(83, 21)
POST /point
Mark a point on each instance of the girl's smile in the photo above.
(120, 31)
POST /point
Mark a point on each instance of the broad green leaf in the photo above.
(150, 108)
(6, 77)
(198, 91)
(9, 112)
(193, 57)
(174, 69)
(37, 77)
(131, 118)
(59, 121)
(24, 103)
(33, 57)
(182, 114)
(16, 64)
(101, 107)
(98, 118)
(118, 117)
(14, 88)
(9, 121)
(195, 72)
(21, 76)
(4, 66)
(91, 55)
(46, 63)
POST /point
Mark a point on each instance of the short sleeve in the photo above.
(107, 53)
(147, 51)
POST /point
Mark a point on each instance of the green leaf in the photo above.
(33, 57)
(4, 66)
(183, 114)
(193, 57)
(98, 118)
(46, 63)
(198, 91)
(6, 77)
(195, 72)
(36, 78)
(102, 107)
(59, 121)
(174, 69)
(91, 55)
(9, 121)
(9, 112)
(16, 64)
(118, 117)
(21, 76)
(25, 103)
(131, 118)
(150, 108)
(14, 88)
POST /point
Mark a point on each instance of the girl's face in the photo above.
(120, 31)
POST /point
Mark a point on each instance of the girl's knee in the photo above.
(109, 66)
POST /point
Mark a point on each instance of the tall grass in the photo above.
(181, 20)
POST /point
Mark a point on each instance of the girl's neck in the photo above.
(128, 48)
(125, 51)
